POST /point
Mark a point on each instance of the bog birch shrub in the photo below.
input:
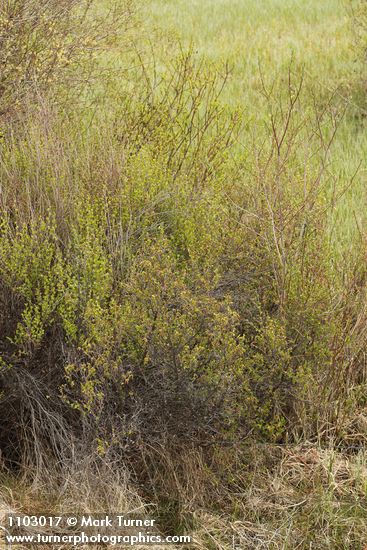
(158, 284)
(45, 43)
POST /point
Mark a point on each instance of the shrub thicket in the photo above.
(48, 43)
(158, 285)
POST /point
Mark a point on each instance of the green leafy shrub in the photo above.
(158, 283)
(46, 43)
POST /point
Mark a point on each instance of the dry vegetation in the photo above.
(178, 330)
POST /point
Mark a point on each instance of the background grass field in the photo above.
(261, 40)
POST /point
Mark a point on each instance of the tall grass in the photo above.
(322, 39)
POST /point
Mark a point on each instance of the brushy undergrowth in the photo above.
(166, 294)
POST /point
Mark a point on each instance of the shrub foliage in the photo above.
(157, 281)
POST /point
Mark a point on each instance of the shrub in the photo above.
(46, 43)
(158, 284)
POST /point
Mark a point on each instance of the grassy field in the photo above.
(268, 33)
(260, 41)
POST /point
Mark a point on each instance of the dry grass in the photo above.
(285, 498)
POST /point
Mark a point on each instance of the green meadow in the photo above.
(260, 41)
